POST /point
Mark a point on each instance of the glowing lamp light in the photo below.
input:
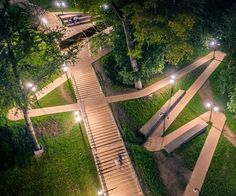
(212, 43)
(78, 118)
(34, 88)
(76, 113)
(172, 81)
(173, 77)
(105, 6)
(100, 192)
(29, 85)
(65, 69)
(208, 105)
(63, 4)
(216, 109)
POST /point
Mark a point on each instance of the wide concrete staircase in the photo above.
(103, 134)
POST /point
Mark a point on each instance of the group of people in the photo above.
(73, 20)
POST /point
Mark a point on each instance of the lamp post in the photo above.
(164, 116)
(212, 108)
(196, 190)
(172, 82)
(65, 70)
(213, 45)
(100, 192)
(78, 119)
(33, 89)
(61, 5)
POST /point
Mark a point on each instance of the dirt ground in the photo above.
(173, 174)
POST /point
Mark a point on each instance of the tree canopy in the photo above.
(27, 54)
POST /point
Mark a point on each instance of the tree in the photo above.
(96, 7)
(160, 27)
(26, 54)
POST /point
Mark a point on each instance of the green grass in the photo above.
(221, 176)
(66, 168)
(143, 161)
(55, 97)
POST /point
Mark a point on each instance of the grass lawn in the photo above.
(221, 176)
(144, 162)
(55, 98)
(66, 168)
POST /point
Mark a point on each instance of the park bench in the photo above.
(186, 136)
(156, 119)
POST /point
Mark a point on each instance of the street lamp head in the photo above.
(78, 118)
(208, 105)
(63, 4)
(76, 113)
(29, 85)
(213, 43)
(196, 190)
(100, 192)
(65, 69)
(105, 6)
(58, 4)
(216, 109)
(34, 88)
(172, 81)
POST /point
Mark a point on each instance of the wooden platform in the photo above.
(147, 129)
(186, 136)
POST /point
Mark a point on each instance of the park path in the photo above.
(204, 160)
(15, 115)
(154, 142)
(162, 83)
(103, 133)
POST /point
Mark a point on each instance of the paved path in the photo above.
(204, 160)
(13, 115)
(154, 142)
(162, 83)
(103, 133)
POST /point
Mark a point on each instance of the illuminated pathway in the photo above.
(104, 137)
(155, 140)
